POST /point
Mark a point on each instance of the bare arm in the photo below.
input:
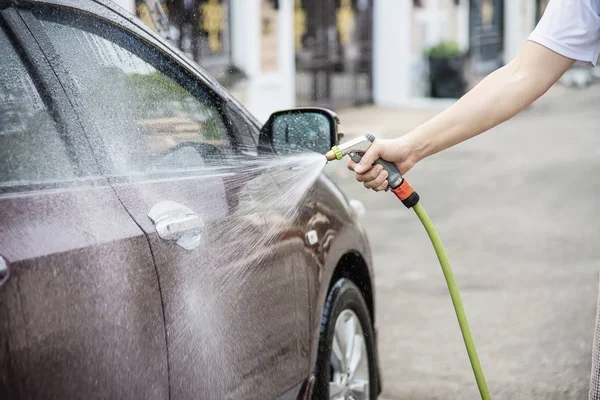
(497, 98)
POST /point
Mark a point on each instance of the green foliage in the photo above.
(446, 49)
(156, 93)
(213, 127)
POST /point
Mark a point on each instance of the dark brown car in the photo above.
(141, 255)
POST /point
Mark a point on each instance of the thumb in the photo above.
(367, 160)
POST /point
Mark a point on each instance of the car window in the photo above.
(31, 149)
(246, 130)
(150, 115)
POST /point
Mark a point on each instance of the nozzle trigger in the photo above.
(355, 157)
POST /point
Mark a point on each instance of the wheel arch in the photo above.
(353, 266)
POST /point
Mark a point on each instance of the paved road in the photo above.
(517, 209)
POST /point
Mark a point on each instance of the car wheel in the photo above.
(346, 367)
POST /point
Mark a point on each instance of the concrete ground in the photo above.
(517, 211)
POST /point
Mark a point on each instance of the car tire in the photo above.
(346, 331)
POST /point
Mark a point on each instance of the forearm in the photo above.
(497, 98)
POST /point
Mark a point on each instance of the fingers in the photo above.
(377, 182)
(375, 178)
(371, 174)
(383, 186)
(351, 164)
(367, 159)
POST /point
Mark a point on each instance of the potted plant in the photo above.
(446, 70)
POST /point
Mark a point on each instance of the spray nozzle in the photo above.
(358, 145)
(355, 148)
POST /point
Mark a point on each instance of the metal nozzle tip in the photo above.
(334, 154)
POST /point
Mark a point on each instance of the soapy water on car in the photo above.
(252, 252)
(256, 210)
(226, 328)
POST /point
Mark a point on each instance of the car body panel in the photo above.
(242, 310)
(341, 234)
(81, 311)
(239, 292)
(231, 303)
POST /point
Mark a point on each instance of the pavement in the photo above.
(516, 209)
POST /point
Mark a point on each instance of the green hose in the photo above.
(456, 301)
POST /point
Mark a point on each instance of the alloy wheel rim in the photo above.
(349, 378)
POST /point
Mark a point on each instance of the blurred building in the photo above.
(334, 52)
(489, 32)
(275, 54)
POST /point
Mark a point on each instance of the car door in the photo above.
(80, 308)
(232, 290)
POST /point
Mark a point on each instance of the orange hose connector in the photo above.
(403, 191)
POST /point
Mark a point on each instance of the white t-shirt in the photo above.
(571, 28)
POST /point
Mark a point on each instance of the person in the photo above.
(568, 33)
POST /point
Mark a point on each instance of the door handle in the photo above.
(178, 223)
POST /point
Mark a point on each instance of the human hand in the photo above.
(398, 151)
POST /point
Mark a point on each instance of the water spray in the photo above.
(355, 149)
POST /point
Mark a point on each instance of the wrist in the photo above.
(418, 148)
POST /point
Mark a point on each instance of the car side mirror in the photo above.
(300, 129)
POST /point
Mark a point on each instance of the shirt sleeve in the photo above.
(570, 28)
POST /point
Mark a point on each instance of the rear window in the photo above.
(31, 148)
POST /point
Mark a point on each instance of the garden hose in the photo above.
(440, 252)
(400, 187)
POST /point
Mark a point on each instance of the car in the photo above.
(143, 254)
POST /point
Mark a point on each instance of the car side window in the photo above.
(246, 131)
(151, 116)
(31, 148)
